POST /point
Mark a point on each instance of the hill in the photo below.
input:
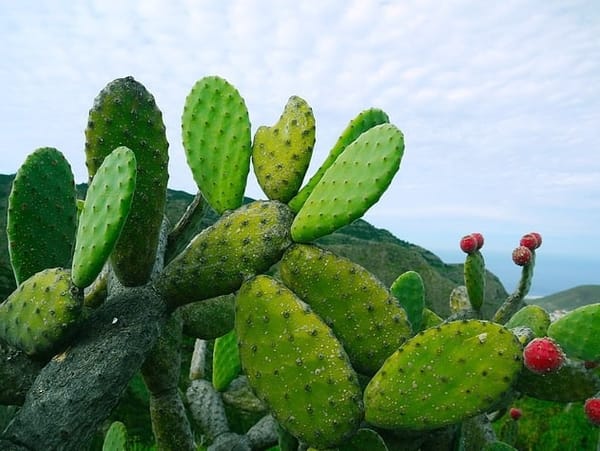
(569, 299)
(376, 249)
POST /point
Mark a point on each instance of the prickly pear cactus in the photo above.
(42, 214)
(246, 242)
(409, 289)
(104, 213)
(125, 114)
(115, 438)
(443, 375)
(41, 313)
(363, 314)
(577, 332)
(216, 137)
(281, 153)
(532, 316)
(295, 364)
(353, 183)
(474, 271)
(226, 361)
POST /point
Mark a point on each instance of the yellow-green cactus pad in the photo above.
(295, 364)
(444, 375)
(532, 316)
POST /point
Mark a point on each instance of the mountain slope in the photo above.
(569, 299)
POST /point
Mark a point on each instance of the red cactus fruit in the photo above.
(543, 355)
(479, 238)
(468, 244)
(522, 256)
(531, 241)
(515, 413)
(592, 410)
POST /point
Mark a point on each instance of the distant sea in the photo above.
(553, 273)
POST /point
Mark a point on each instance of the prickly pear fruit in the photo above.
(295, 364)
(532, 316)
(105, 211)
(115, 438)
(543, 355)
(592, 410)
(522, 256)
(357, 126)
(41, 313)
(515, 413)
(42, 214)
(474, 272)
(245, 242)
(353, 183)
(530, 241)
(125, 114)
(469, 244)
(216, 137)
(281, 154)
(226, 361)
(409, 289)
(443, 375)
(363, 314)
(577, 332)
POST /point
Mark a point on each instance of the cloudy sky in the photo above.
(499, 101)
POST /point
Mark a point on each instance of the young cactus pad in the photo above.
(106, 207)
(115, 438)
(41, 312)
(281, 153)
(42, 214)
(532, 316)
(363, 314)
(443, 375)
(125, 114)
(226, 361)
(577, 332)
(409, 289)
(246, 242)
(295, 364)
(474, 272)
(216, 135)
(357, 126)
(353, 183)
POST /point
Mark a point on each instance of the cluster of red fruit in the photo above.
(471, 243)
(523, 254)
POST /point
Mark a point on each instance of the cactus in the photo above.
(125, 114)
(104, 213)
(576, 332)
(226, 361)
(295, 364)
(216, 137)
(115, 438)
(408, 288)
(532, 316)
(281, 154)
(361, 311)
(42, 214)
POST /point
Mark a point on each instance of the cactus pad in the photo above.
(125, 114)
(443, 375)
(41, 313)
(474, 271)
(226, 361)
(577, 332)
(243, 243)
(295, 364)
(281, 153)
(42, 214)
(363, 314)
(532, 316)
(115, 438)
(217, 141)
(357, 126)
(106, 207)
(409, 289)
(353, 183)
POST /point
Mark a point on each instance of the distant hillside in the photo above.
(376, 249)
(569, 299)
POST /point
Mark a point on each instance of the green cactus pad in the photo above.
(281, 153)
(245, 242)
(295, 364)
(364, 121)
(210, 318)
(533, 317)
(572, 382)
(474, 271)
(353, 183)
(115, 438)
(430, 319)
(41, 313)
(364, 440)
(125, 114)
(106, 207)
(409, 289)
(577, 332)
(226, 361)
(42, 214)
(217, 141)
(443, 375)
(363, 314)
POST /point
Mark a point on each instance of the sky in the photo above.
(499, 102)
